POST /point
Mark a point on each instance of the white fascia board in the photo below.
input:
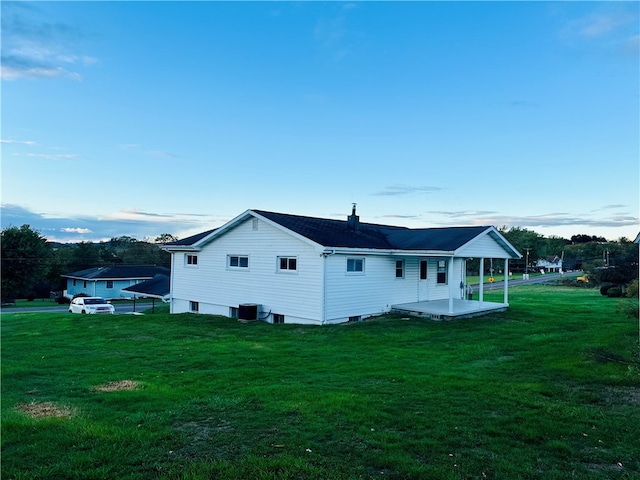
(306, 240)
(181, 248)
(197, 246)
(388, 253)
(503, 242)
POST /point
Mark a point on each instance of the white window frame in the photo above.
(441, 270)
(194, 307)
(355, 261)
(278, 318)
(238, 266)
(288, 260)
(400, 267)
(191, 260)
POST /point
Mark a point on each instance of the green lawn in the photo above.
(549, 389)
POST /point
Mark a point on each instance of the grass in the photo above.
(549, 389)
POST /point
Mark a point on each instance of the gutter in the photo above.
(375, 251)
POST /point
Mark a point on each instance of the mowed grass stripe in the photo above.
(548, 389)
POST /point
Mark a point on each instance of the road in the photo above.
(549, 277)
(120, 308)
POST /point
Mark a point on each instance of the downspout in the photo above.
(325, 255)
(506, 281)
(450, 277)
(481, 281)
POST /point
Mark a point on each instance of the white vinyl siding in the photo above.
(370, 294)
(484, 246)
(218, 288)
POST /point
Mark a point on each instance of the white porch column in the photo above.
(481, 280)
(451, 286)
(506, 281)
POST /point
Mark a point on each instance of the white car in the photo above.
(90, 305)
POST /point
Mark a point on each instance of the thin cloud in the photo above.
(162, 153)
(554, 219)
(53, 156)
(399, 190)
(615, 29)
(333, 36)
(18, 142)
(134, 223)
(34, 49)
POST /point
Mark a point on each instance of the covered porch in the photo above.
(454, 307)
(446, 310)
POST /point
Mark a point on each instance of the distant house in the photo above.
(110, 282)
(285, 268)
(552, 263)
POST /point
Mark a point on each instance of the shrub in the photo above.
(628, 307)
(614, 292)
(632, 289)
(604, 289)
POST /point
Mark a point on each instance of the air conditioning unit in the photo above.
(248, 311)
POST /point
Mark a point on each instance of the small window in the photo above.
(399, 268)
(355, 265)
(109, 283)
(277, 318)
(84, 284)
(288, 264)
(192, 259)
(423, 269)
(238, 261)
(194, 306)
(442, 271)
(74, 283)
(356, 318)
(233, 312)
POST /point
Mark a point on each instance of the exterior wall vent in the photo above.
(248, 311)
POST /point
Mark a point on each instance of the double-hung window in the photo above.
(287, 264)
(355, 265)
(442, 271)
(109, 283)
(237, 261)
(399, 268)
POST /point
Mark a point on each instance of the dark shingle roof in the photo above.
(190, 240)
(158, 286)
(119, 271)
(335, 233)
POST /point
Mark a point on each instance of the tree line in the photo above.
(32, 266)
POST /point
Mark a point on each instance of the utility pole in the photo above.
(526, 264)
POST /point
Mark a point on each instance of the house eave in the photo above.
(386, 252)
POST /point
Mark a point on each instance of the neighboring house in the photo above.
(292, 269)
(110, 282)
(552, 263)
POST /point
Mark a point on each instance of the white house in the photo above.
(552, 263)
(287, 268)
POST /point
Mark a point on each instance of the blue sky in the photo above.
(143, 118)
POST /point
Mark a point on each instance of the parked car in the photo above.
(90, 305)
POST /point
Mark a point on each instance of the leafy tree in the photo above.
(25, 260)
(165, 238)
(85, 255)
